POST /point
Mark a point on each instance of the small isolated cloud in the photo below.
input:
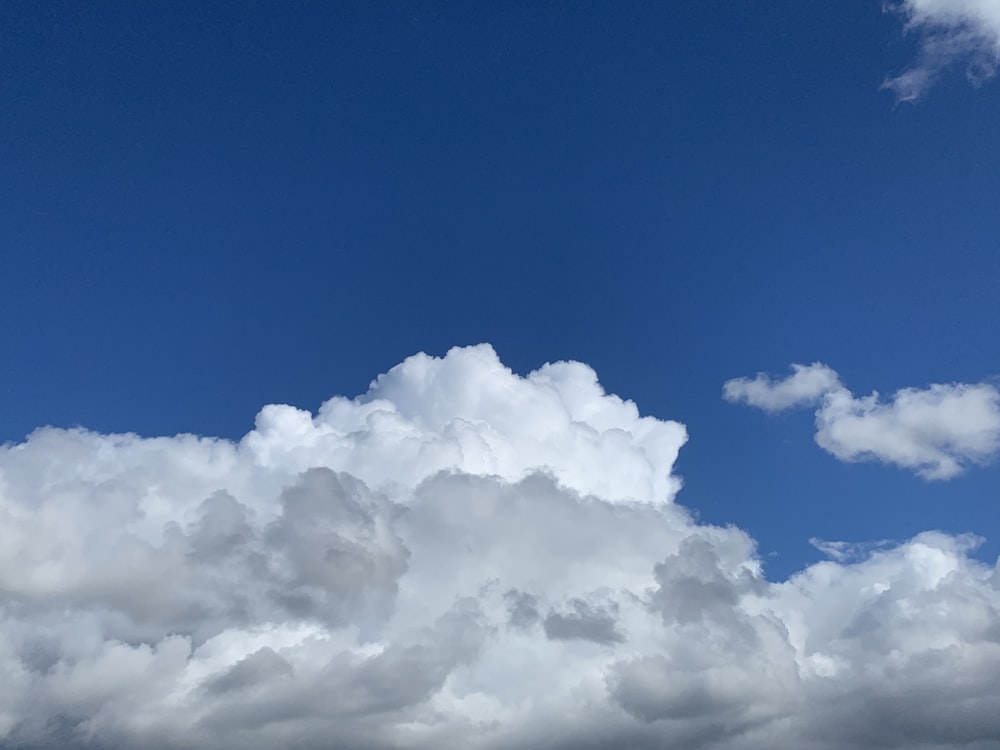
(937, 431)
(803, 386)
(461, 557)
(952, 33)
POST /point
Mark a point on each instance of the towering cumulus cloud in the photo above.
(459, 558)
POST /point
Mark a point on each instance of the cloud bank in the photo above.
(937, 431)
(461, 557)
(952, 33)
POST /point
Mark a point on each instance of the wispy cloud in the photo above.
(462, 557)
(848, 551)
(952, 33)
(937, 431)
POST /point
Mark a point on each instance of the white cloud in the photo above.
(937, 431)
(471, 413)
(806, 384)
(460, 558)
(952, 33)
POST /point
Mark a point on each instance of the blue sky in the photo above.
(210, 207)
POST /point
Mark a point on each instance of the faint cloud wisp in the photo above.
(952, 33)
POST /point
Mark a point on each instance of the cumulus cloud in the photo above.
(803, 386)
(936, 431)
(952, 33)
(461, 557)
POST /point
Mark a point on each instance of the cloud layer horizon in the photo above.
(461, 557)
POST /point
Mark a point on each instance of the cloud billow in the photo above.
(462, 557)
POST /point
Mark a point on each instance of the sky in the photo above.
(422, 374)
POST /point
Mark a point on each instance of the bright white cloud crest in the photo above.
(937, 431)
(460, 558)
(952, 32)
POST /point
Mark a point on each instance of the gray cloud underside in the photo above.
(447, 561)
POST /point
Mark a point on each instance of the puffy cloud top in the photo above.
(468, 412)
(461, 557)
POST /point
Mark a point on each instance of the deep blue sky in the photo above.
(205, 207)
